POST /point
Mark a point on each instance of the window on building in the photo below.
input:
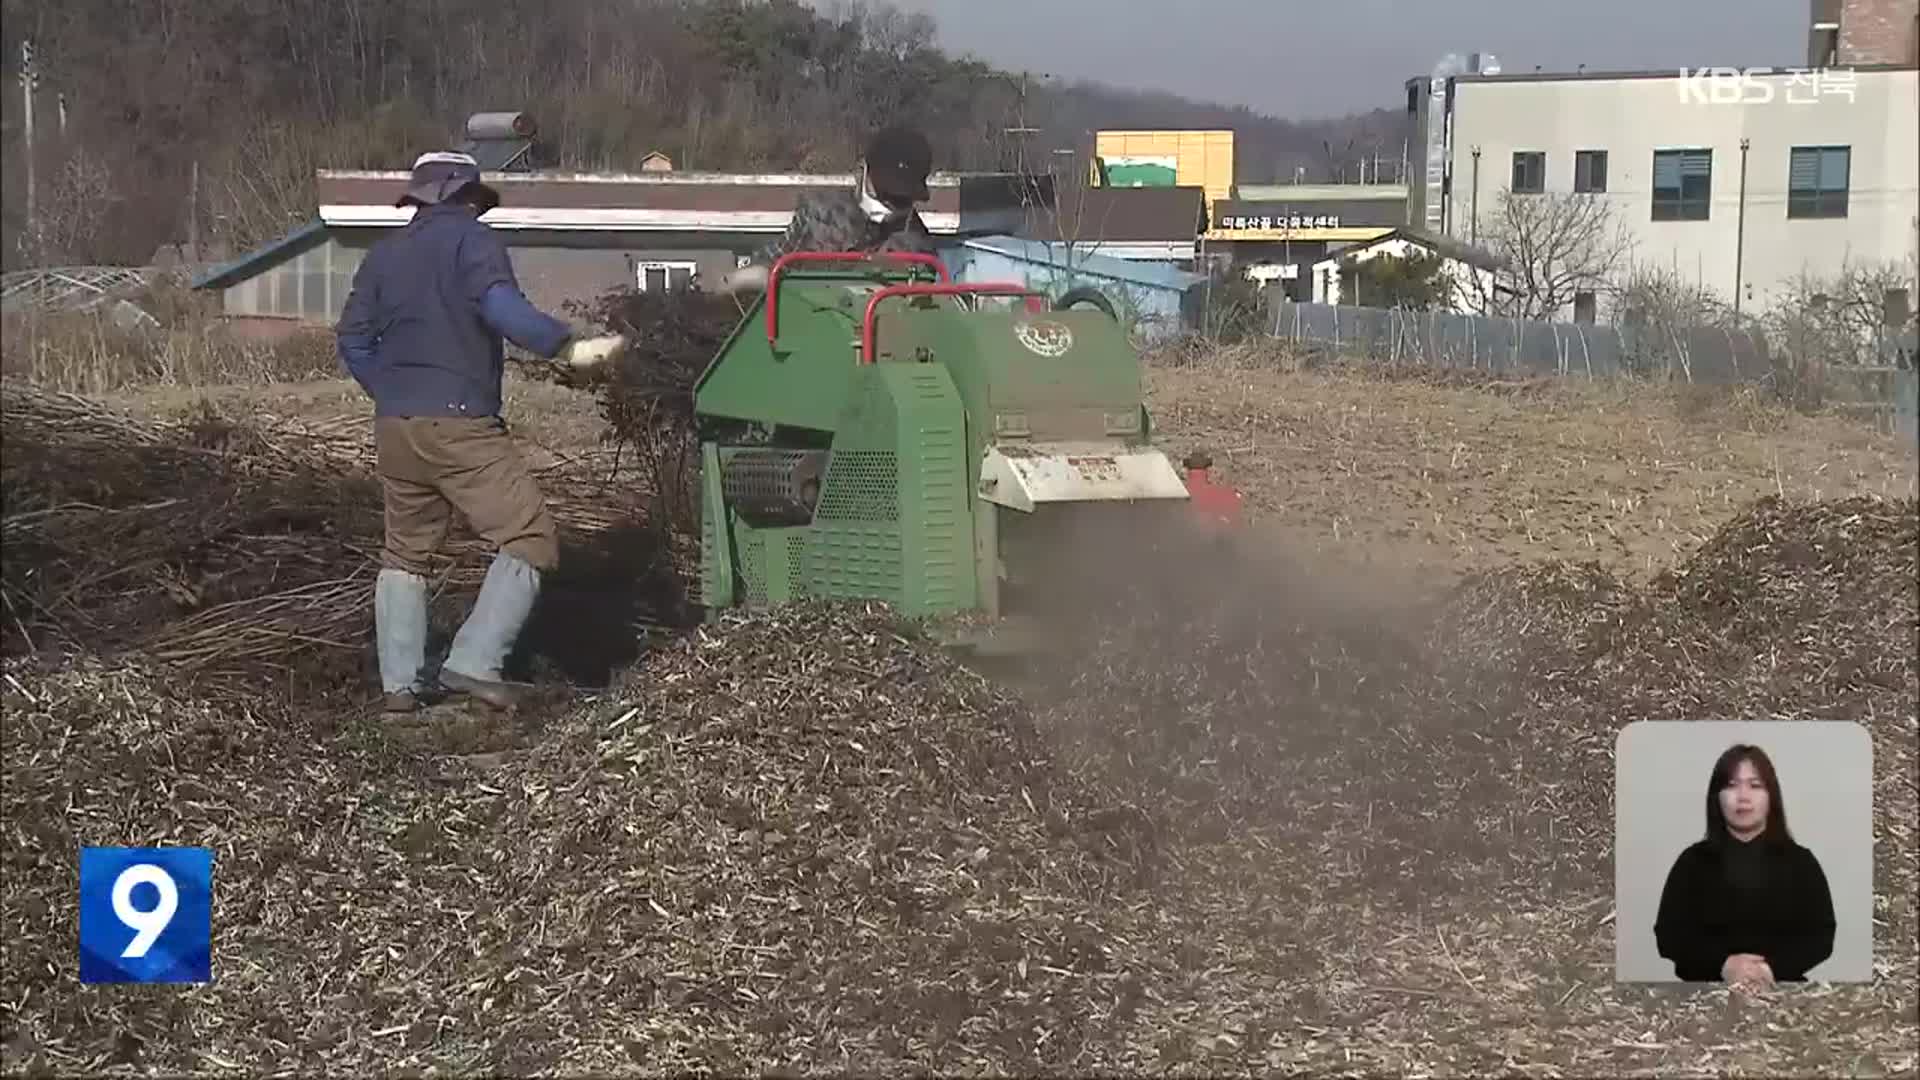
(286, 291)
(1529, 172)
(663, 276)
(1586, 307)
(1590, 171)
(344, 265)
(1817, 179)
(313, 283)
(1895, 311)
(1682, 185)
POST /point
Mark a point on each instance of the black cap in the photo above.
(898, 160)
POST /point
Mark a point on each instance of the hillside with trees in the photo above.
(156, 120)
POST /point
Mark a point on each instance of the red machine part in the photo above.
(984, 288)
(903, 258)
(1216, 504)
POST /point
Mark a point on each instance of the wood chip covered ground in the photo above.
(1243, 825)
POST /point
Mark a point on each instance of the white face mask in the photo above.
(877, 211)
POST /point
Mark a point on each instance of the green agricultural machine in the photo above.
(874, 431)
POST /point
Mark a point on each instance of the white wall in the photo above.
(1632, 117)
(313, 286)
(1330, 288)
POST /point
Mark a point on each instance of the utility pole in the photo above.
(1740, 234)
(193, 216)
(1473, 211)
(1020, 130)
(27, 79)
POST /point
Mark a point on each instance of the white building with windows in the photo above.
(1737, 180)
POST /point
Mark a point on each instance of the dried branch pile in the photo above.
(222, 549)
(200, 543)
(797, 839)
(648, 399)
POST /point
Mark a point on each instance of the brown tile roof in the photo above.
(1121, 215)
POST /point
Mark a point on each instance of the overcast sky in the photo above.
(1302, 60)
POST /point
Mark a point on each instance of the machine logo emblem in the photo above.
(1044, 338)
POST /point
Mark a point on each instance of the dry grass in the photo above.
(1447, 475)
(89, 354)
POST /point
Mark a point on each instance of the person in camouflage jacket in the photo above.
(876, 214)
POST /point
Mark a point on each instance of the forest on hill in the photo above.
(156, 118)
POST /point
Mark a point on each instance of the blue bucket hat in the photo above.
(442, 174)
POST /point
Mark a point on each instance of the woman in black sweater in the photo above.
(1747, 905)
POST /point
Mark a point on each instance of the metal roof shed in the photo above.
(1150, 296)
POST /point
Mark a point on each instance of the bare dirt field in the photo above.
(1337, 798)
(1449, 478)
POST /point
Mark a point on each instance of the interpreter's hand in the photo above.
(1747, 971)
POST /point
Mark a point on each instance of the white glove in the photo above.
(745, 279)
(586, 353)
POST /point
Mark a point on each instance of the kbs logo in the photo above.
(1752, 86)
(146, 915)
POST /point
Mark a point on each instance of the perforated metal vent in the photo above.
(753, 574)
(862, 485)
(797, 559)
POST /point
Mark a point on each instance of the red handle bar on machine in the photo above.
(906, 258)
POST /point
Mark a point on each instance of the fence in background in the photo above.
(1886, 393)
(1518, 346)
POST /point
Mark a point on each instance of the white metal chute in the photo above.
(1024, 475)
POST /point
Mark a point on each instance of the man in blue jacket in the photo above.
(422, 333)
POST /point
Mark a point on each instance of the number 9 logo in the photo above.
(148, 925)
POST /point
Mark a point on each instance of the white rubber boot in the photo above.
(400, 629)
(481, 647)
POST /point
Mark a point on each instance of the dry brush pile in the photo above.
(1249, 822)
(201, 543)
(236, 552)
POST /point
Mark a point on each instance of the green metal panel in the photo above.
(1009, 391)
(936, 490)
(802, 380)
(854, 552)
(771, 561)
(716, 548)
(893, 520)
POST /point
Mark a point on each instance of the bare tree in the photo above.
(71, 216)
(1658, 312)
(1847, 320)
(1556, 246)
(1081, 210)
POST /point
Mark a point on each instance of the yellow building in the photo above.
(1202, 159)
(1269, 232)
